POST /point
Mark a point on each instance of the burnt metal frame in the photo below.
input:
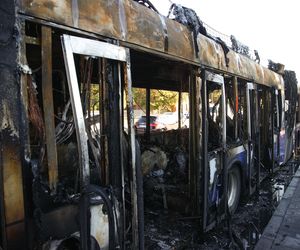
(218, 79)
(278, 123)
(236, 98)
(77, 45)
(251, 137)
(272, 129)
(275, 130)
(195, 139)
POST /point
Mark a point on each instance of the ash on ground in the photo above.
(165, 229)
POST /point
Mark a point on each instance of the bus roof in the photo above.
(141, 28)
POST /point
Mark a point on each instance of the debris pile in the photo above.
(152, 158)
(165, 178)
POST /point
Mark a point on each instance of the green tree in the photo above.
(160, 100)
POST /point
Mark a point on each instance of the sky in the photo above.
(269, 26)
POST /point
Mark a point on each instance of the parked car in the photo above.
(155, 124)
(170, 120)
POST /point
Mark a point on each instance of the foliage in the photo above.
(160, 100)
(94, 95)
(163, 101)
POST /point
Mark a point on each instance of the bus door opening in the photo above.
(214, 140)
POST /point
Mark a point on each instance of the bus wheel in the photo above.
(233, 189)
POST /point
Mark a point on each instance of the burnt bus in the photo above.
(72, 174)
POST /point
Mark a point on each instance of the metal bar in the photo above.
(272, 128)
(216, 78)
(223, 152)
(250, 143)
(278, 125)
(90, 47)
(77, 111)
(192, 164)
(258, 156)
(179, 105)
(121, 154)
(131, 133)
(48, 106)
(103, 122)
(148, 111)
(236, 106)
(248, 88)
(223, 117)
(81, 135)
(198, 138)
(298, 107)
(204, 151)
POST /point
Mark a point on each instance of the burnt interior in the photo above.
(164, 150)
(165, 188)
(99, 90)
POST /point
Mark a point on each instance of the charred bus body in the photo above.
(71, 167)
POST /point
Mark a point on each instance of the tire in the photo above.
(233, 189)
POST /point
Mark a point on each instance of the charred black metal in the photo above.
(238, 47)
(147, 3)
(291, 91)
(147, 134)
(189, 18)
(85, 221)
(113, 126)
(257, 58)
(276, 67)
(204, 153)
